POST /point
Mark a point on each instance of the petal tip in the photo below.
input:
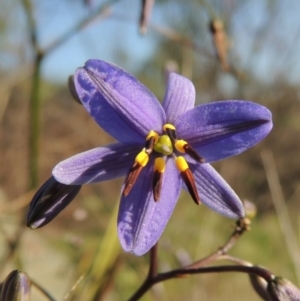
(59, 173)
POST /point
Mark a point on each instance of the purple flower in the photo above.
(160, 148)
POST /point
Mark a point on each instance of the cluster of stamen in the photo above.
(164, 145)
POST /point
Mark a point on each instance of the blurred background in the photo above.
(230, 50)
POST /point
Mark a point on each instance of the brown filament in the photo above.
(157, 184)
(189, 181)
(132, 177)
(191, 152)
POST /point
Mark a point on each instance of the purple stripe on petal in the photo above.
(226, 128)
(215, 193)
(49, 201)
(179, 98)
(118, 102)
(96, 165)
(141, 220)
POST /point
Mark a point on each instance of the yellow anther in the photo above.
(168, 126)
(159, 165)
(181, 164)
(179, 144)
(142, 158)
(152, 134)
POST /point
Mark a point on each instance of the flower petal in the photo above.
(96, 165)
(49, 201)
(141, 220)
(215, 193)
(118, 102)
(225, 128)
(180, 97)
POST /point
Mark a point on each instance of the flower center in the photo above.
(165, 145)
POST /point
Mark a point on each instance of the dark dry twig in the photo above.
(253, 270)
(242, 225)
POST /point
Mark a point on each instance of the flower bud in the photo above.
(16, 287)
(49, 201)
(260, 286)
(281, 289)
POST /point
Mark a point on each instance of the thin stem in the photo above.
(34, 102)
(67, 296)
(236, 260)
(242, 225)
(151, 275)
(184, 41)
(34, 108)
(289, 234)
(34, 122)
(147, 6)
(42, 290)
(254, 270)
(149, 282)
(103, 11)
(153, 262)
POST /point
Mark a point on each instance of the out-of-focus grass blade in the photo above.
(281, 210)
(104, 261)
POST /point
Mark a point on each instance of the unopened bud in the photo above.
(49, 201)
(281, 289)
(16, 287)
(260, 286)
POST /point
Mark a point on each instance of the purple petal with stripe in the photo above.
(141, 220)
(225, 128)
(215, 193)
(180, 97)
(96, 165)
(118, 102)
(49, 201)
